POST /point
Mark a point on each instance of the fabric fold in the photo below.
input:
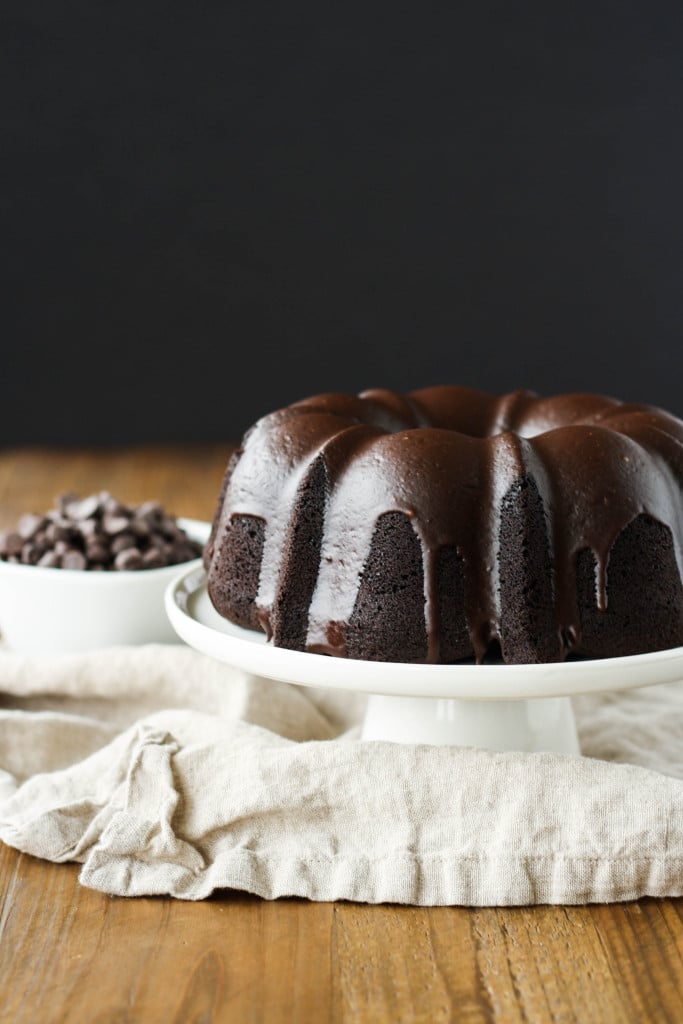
(182, 776)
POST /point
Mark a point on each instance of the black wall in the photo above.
(212, 209)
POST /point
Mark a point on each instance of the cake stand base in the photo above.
(541, 724)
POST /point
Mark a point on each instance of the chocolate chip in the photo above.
(41, 542)
(49, 560)
(97, 552)
(169, 528)
(11, 543)
(153, 559)
(74, 559)
(29, 525)
(139, 526)
(123, 541)
(150, 510)
(128, 559)
(114, 524)
(57, 531)
(82, 509)
(29, 554)
(88, 527)
(113, 507)
(63, 500)
(165, 550)
(183, 552)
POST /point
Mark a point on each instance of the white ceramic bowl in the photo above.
(59, 610)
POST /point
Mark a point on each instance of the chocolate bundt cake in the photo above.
(448, 524)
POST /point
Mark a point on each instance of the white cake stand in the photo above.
(500, 707)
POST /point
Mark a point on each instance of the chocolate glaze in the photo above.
(446, 458)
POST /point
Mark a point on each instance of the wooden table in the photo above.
(71, 955)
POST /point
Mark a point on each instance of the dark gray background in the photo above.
(210, 210)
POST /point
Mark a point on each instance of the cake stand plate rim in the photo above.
(199, 625)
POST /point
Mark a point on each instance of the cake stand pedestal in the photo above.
(499, 707)
(543, 723)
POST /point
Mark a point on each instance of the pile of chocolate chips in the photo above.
(98, 533)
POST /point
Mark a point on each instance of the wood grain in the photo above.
(185, 478)
(71, 955)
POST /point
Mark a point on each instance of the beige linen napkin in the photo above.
(164, 772)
